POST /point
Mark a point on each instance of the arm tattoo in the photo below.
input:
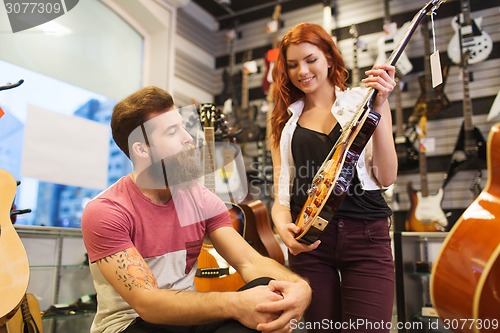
(132, 270)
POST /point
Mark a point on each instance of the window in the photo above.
(79, 64)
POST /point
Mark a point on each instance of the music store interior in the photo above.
(61, 78)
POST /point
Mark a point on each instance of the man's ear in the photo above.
(140, 149)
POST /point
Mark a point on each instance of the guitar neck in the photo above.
(387, 13)
(469, 144)
(355, 48)
(422, 166)
(276, 17)
(422, 157)
(209, 159)
(244, 90)
(355, 68)
(399, 110)
(467, 103)
(429, 91)
(25, 310)
(465, 7)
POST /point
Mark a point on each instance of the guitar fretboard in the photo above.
(399, 115)
(469, 141)
(209, 159)
(355, 68)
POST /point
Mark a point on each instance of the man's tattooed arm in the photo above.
(131, 269)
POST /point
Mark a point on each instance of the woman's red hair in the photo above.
(284, 92)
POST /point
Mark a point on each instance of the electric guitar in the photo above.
(425, 212)
(465, 277)
(404, 139)
(335, 175)
(213, 272)
(246, 113)
(264, 163)
(230, 94)
(387, 43)
(28, 318)
(355, 77)
(468, 37)
(14, 265)
(470, 147)
(271, 55)
(431, 100)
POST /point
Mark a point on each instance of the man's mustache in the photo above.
(186, 166)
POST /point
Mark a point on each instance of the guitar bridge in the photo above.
(212, 272)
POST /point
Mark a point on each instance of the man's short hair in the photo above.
(134, 110)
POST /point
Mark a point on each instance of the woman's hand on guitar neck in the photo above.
(380, 78)
(288, 230)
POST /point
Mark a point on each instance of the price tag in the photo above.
(437, 76)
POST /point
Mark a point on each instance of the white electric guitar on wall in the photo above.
(387, 43)
(477, 42)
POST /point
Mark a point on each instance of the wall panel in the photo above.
(368, 15)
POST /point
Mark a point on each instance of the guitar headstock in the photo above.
(432, 6)
(353, 30)
(277, 12)
(212, 116)
(208, 114)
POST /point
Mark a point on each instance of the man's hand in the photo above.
(296, 297)
(247, 302)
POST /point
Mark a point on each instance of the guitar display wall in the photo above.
(368, 15)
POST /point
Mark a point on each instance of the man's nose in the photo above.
(187, 138)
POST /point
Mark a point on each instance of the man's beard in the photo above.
(181, 169)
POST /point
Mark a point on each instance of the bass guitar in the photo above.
(425, 212)
(28, 318)
(465, 279)
(230, 92)
(468, 36)
(431, 100)
(404, 139)
(470, 147)
(387, 43)
(337, 171)
(14, 265)
(246, 113)
(271, 55)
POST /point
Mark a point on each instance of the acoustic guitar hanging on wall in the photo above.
(14, 265)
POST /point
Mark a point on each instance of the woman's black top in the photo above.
(310, 149)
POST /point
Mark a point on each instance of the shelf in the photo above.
(440, 234)
(420, 274)
(60, 266)
(27, 230)
(69, 315)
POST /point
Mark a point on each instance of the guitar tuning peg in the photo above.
(19, 211)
